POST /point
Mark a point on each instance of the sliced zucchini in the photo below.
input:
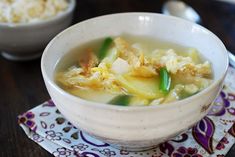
(143, 87)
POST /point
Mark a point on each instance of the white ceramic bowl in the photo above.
(27, 41)
(135, 128)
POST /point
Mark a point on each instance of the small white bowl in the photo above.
(135, 128)
(26, 41)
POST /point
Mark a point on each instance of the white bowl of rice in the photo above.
(26, 26)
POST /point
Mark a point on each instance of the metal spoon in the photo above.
(180, 9)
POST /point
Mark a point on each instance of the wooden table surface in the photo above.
(22, 86)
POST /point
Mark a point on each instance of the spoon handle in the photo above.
(231, 59)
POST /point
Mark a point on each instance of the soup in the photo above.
(131, 70)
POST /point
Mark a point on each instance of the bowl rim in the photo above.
(89, 103)
(70, 9)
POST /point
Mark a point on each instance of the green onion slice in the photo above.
(165, 80)
(103, 51)
(121, 100)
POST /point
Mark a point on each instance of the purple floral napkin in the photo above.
(212, 136)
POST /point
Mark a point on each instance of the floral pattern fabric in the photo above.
(213, 136)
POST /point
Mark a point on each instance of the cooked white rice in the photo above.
(28, 11)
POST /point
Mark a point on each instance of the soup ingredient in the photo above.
(165, 80)
(128, 100)
(182, 78)
(28, 11)
(87, 61)
(104, 48)
(138, 101)
(144, 87)
(174, 94)
(122, 100)
(111, 56)
(123, 73)
(120, 66)
(176, 63)
(192, 53)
